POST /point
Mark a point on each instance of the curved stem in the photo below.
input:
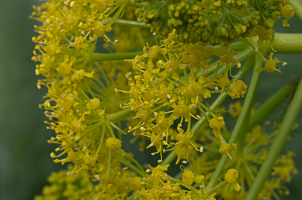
(288, 121)
(208, 193)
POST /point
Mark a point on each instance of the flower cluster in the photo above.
(161, 93)
(68, 187)
(214, 22)
(247, 163)
(79, 88)
(160, 96)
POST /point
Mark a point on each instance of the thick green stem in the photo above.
(239, 127)
(115, 56)
(273, 153)
(287, 42)
(271, 104)
(297, 4)
(213, 106)
(249, 100)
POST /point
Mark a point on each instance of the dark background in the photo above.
(24, 152)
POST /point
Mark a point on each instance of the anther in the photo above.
(155, 114)
(97, 177)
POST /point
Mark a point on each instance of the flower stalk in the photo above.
(276, 147)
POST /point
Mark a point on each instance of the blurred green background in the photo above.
(24, 152)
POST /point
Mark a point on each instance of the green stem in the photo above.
(249, 100)
(169, 158)
(249, 51)
(287, 42)
(195, 166)
(118, 115)
(137, 164)
(128, 164)
(222, 96)
(109, 161)
(288, 121)
(188, 187)
(207, 109)
(117, 14)
(220, 185)
(101, 142)
(271, 104)
(239, 127)
(203, 113)
(244, 69)
(297, 4)
(254, 47)
(125, 22)
(116, 56)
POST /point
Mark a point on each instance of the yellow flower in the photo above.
(231, 177)
(238, 88)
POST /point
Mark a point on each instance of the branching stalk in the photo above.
(273, 153)
(241, 122)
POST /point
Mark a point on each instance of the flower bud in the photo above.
(113, 143)
(231, 176)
